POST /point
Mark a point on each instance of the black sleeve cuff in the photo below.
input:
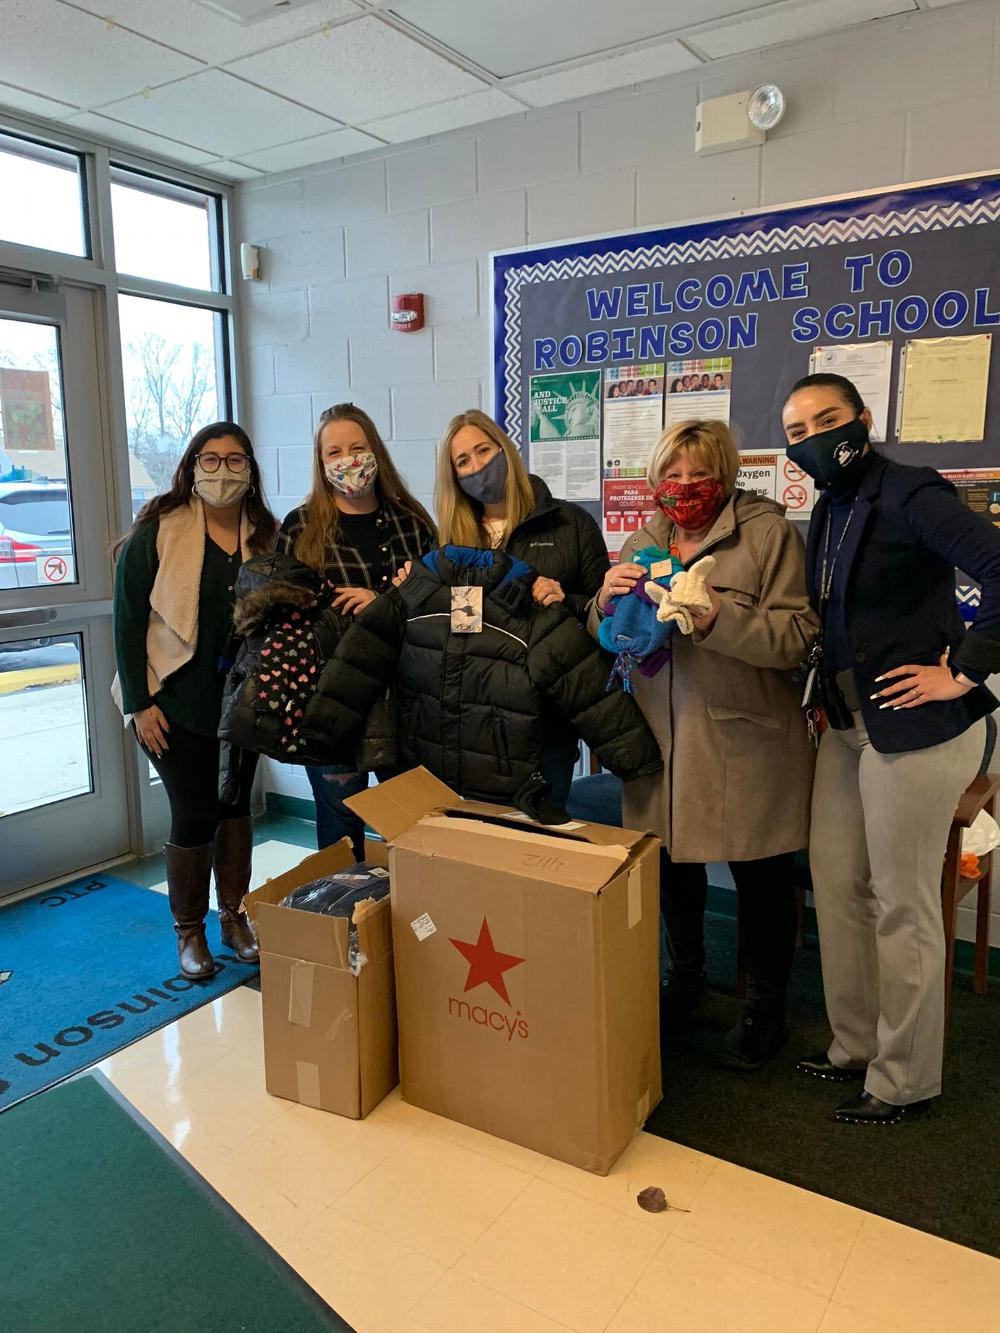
(978, 657)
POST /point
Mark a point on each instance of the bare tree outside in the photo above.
(171, 392)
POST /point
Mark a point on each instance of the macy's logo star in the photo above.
(486, 963)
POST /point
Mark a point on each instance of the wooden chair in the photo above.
(980, 795)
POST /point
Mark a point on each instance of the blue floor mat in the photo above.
(86, 969)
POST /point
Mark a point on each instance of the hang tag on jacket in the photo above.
(467, 609)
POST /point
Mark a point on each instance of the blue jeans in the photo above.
(330, 784)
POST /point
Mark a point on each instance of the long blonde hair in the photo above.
(711, 442)
(322, 525)
(460, 518)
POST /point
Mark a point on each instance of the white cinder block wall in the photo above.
(903, 99)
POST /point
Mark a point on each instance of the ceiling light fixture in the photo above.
(765, 106)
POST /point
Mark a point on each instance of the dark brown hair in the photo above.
(847, 389)
(265, 525)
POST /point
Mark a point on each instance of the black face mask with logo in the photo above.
(835, 459)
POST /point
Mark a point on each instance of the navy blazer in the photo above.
(909, 533)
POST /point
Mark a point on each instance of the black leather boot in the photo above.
(233, 850)
(189, 872)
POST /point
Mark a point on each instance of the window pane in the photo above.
(44, 742)
(41, 190)
(36, 527)
(163, 232)
(173, 385)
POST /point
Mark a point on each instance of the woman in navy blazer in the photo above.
(901, 684)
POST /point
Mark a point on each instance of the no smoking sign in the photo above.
(795, 497)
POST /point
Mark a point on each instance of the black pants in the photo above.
(189, 771)
(767, 914)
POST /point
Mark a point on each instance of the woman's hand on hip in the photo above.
(151, 727)
(546, 591)
(351, 601)
(619, 580)
(913, 686)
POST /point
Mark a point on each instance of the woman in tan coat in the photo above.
(738, 760)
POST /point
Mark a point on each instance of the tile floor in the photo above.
(406, 1221)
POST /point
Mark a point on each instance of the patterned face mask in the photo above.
(353, 476)
(691, 504)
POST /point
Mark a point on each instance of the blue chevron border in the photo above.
(962, 204)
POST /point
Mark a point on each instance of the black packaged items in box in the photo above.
(340, 894)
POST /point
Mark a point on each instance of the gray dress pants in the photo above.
(880, 825)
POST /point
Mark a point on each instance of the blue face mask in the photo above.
(489, 484)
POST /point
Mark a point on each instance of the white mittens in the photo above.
(687, 592)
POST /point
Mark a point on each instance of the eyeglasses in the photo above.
(234, 462)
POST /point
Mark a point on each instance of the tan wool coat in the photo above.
(738, 762)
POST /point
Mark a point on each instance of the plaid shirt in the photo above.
(405, 538)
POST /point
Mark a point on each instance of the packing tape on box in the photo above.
(300, 994)
(307, 1083)
(334, 1030)
(634, 896)
(642, 1109)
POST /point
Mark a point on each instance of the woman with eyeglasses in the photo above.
(173, 604)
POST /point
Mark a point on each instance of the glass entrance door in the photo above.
(63, 791)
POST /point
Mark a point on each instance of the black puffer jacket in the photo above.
(471, 706)
(561, 541)
(269, 588)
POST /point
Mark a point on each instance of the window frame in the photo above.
(99, 163)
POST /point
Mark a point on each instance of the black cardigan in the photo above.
(909, 533)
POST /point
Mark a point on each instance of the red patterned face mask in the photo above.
(691, 504)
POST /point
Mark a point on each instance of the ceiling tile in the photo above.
(521, 35)
(105, 130)
(234, 171)
(307, 152)
(652, 62)
(792, 25)
(358, 72)
(60, 52)
(212, 37)
(18, 99)
(444, 116)
(218, 112)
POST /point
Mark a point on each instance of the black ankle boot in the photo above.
(680, 998)
(756, 1038)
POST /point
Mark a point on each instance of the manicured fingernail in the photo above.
(874, 696)
(878, 679)
(881, 706)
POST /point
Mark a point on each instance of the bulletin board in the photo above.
(900, 290)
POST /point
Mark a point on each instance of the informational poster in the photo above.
(566, 433)
(627, 506)
(944, 389)
(979, 488)
(698, 388)
(26, 410)
(633, 417)
(869, 367)
(772, 474)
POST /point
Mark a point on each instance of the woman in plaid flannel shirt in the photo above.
(358, 526)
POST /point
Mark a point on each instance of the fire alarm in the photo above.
(408, 312)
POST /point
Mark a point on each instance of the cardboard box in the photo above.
(527, 969)
(329, 1036)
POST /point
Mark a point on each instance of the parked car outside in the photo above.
(35, 528)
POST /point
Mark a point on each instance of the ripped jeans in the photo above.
(330, 784)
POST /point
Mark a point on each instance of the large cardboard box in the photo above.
(527, 969)
(329, 1036)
